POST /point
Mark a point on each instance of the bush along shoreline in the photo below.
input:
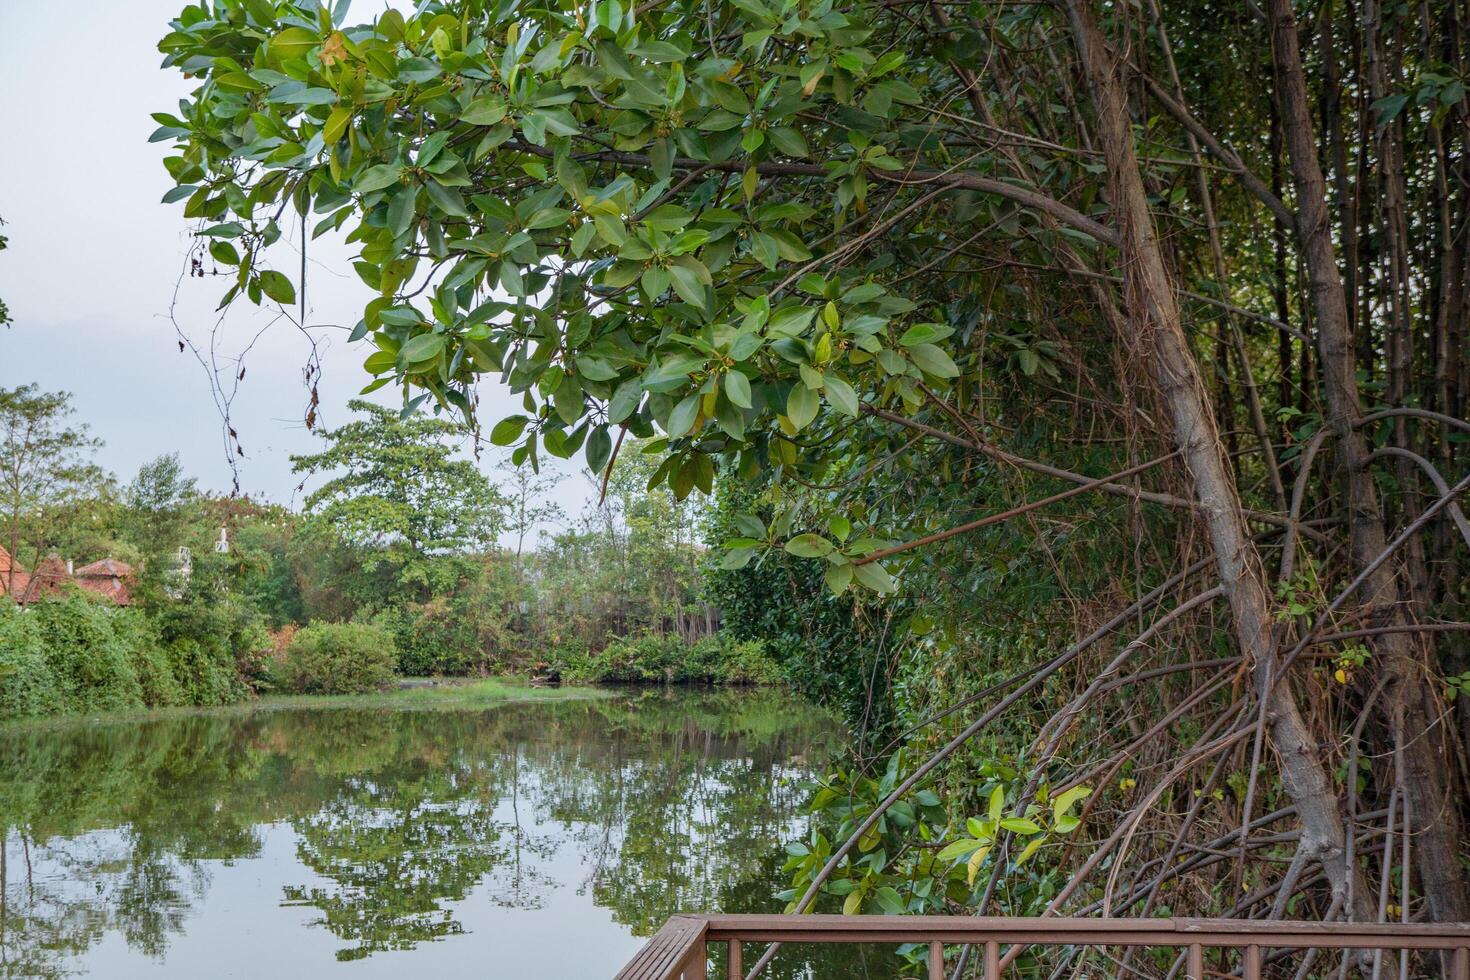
(74, 654)
(667, 659)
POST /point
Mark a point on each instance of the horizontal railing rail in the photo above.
(680, 950)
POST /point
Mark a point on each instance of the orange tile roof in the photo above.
(13, 576)
(46, 580)
(108, 577)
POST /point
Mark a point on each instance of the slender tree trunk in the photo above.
(1157, 335)
(1411, 698)
(1285, 359)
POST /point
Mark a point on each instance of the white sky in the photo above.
(94, 259)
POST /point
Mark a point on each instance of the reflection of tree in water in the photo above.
(394, 857)
(677, 803)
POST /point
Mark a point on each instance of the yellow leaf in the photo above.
(334, 50)
(976, 859)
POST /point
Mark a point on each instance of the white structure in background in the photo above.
(222, 546)
(181, 570)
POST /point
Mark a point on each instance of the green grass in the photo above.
(445, 692)
(448, 692)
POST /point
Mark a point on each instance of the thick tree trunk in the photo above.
(1411, 701)
(1158, 336)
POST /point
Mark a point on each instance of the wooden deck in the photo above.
(680, 950)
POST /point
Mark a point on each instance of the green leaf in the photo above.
(889, 900)
(293, 42)
(223, 251)
(924, 333)
(424, 347)
(737, 389)
(875, 577)
(447, 199)
(377, 178)
(840, 395)
(275, 285)
(809, 546)
(687, 284)
(959, 849)
(997, 803)
(336, 124)
(801, 406)
(838, 577)
(508, 430)
(624, 401)
(1065, 801)
(933, 361)
(599, 447)
(484, 111)
(591, 367)
(681, 420)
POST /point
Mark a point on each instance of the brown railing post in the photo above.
(992, 960)
(736, 970)
(936, 961)
(1252, 968)
(1196, 968)
(1461, 966)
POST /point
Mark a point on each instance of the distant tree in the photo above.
(45, 464)
(158, 502)
(528, 507)
(394, 483)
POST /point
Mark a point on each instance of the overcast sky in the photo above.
(95, 259)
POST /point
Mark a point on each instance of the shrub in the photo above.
(454, 635)
(91, 658)
(206, 635)
(337, 658)
(28, 685)
(157, 677)
(653, 658)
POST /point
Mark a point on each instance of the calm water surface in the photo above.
(519, 840)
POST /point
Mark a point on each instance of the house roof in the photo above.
(46, 580)
(106, 568)
(108, 577)
(13, 575)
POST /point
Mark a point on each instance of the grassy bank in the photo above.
(427, 693)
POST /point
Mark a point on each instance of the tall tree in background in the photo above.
(394, 482)
(994, 302)
(157, 502)
(45, 462)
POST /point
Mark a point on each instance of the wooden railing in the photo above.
(680, 950)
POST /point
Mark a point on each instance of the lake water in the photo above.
(529, 839)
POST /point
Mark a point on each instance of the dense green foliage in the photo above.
(336, 658)
(1114, 370)
(74, 653)
(667, 659)
(828, 645)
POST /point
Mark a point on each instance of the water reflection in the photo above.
(322, 838)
